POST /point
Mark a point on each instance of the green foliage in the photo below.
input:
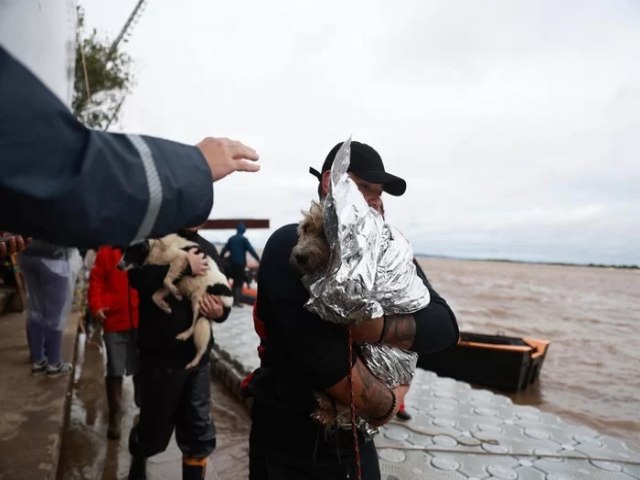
(109, 79)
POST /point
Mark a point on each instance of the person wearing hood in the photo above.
(237, 247)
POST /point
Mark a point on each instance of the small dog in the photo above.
(311, 253)
(173, 250)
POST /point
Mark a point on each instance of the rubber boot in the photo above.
(194, 468)
(402, 414)
(138, 468)
(237, 295)
(114, 398)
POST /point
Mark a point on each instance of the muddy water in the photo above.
(591, 374)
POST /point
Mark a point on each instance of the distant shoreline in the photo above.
(529, 262)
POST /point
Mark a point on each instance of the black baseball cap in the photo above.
(367, 164)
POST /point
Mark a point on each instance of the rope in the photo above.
(354, 430)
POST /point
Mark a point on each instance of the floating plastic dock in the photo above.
(458, 432)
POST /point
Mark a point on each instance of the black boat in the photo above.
(497, 361)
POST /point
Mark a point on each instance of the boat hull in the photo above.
(497, 361)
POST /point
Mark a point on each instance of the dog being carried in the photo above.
(173, 250)
(311, 258)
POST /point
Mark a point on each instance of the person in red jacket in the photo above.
(115, 304)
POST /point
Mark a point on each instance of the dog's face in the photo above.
(135, 256)
(311, 253)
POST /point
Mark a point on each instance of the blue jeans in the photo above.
(49, 297)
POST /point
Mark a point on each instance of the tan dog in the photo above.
(173, 250)
(311, 253)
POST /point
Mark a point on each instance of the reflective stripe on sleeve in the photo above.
(154, 185)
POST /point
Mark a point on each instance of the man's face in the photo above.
(372, 192)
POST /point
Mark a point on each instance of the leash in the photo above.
(354, 430)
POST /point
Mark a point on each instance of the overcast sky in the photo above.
(515, 124)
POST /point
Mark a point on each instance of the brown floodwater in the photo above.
(591, 316)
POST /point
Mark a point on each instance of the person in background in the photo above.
(50, 273)
(114, 304)
(171, 396)
(237, 248)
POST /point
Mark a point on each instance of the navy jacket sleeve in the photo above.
(71, 185)
(250, 249)
(436, 325)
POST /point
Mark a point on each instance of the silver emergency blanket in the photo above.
(370, 274)
(371, 270)
(394, 366)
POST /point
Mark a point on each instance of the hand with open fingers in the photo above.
(211, 306)
(226, 156)
(197, 262)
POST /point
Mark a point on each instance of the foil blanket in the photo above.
(371, 270)
(370, 274)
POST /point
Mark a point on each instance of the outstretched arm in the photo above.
(71, 185)
(251, 250)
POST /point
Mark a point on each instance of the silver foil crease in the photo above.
(371, 270)
(394, 366)
(370, 274)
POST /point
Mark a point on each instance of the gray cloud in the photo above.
(515, 123)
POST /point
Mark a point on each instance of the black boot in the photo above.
(403, 415)
(138, 468)
(237, 295)
(194, 468)
(114, 398)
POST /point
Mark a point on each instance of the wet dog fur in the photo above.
(173, 250)
(311, 253)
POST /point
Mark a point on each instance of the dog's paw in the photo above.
(173, 290)
(183, 336)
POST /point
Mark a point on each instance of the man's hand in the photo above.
(197, 262)
(400, 392)
(210, 306)
(101, 315)
(226, 156)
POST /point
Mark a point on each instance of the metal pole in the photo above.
(134, 17)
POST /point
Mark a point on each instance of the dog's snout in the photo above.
(301, 258)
